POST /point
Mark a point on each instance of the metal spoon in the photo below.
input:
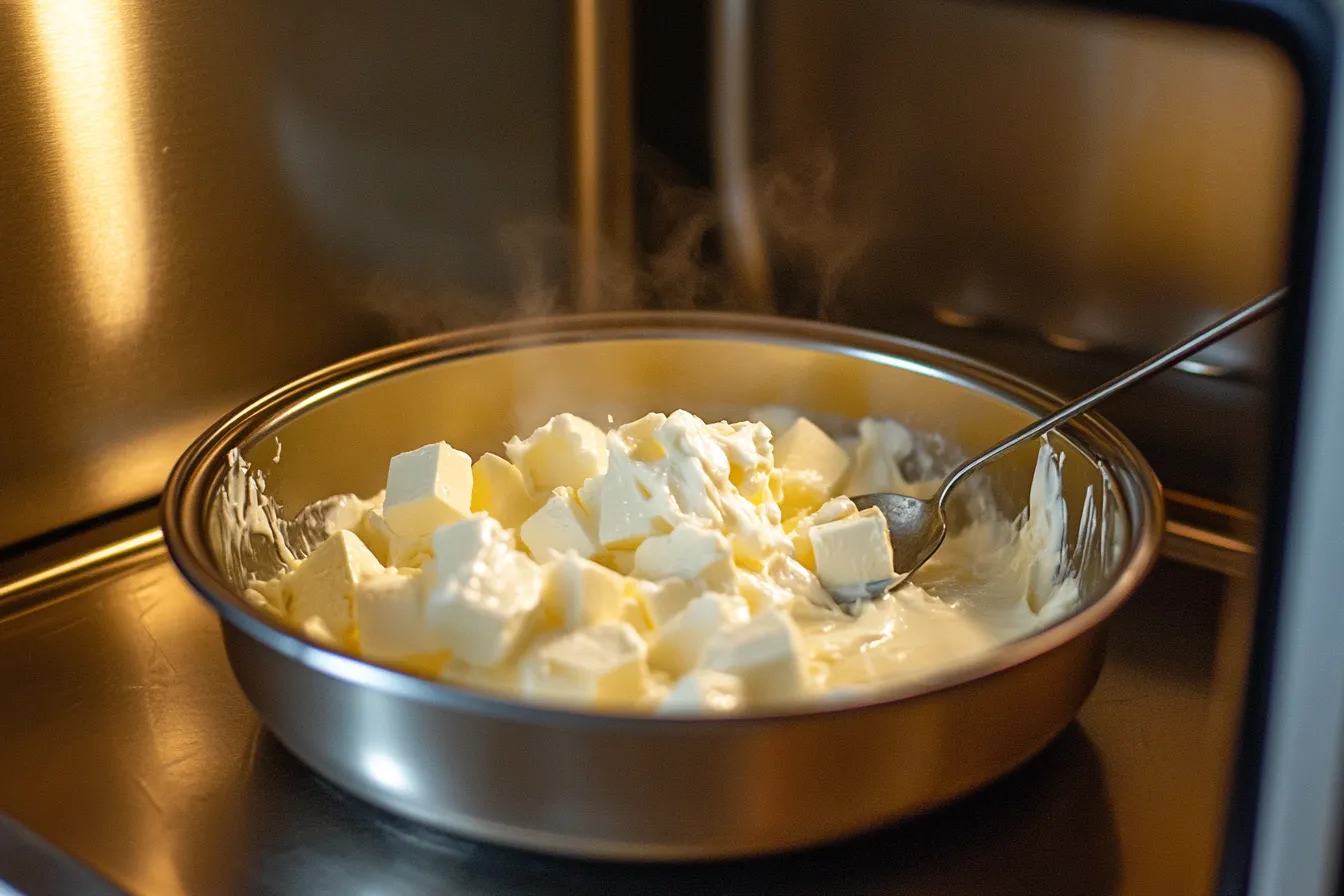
(918, 527)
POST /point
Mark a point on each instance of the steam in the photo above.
(812, 243)
(678, 262)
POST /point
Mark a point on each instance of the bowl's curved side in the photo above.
(686, 793)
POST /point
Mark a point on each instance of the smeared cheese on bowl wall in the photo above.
(667, 565)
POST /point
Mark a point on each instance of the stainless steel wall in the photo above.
(1057, 190)
(1107, 182)
(200, 200)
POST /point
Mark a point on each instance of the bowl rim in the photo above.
(196, 475)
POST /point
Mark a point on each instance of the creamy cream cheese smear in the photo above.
(667, 565)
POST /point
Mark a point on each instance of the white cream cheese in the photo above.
(650, 567)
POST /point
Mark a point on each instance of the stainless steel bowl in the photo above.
(626, 786)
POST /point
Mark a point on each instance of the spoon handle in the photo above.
(1156, 364)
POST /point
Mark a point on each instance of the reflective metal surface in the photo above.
(30, 865)
(639, 787)
(1077, 191)
(128, 745)
(1106, 181)
(205, 199)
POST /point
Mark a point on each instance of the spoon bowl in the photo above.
(917, 527)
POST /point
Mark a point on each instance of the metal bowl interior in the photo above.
(630, 786)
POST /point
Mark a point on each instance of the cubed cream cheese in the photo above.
(390, 616)
(482, 596)
(677, 645)
(560, 525)
(780, 585)
(427, 488)
(634, 501)
(754, 530)
(373, 530)
(390, 548)
(589, 495)
(813, 465)
(703, 691)
(315, 630)
(564, 453)
(634, 612)
(669, 582)
(324, 583)
(410, 552)
(600, 665)
(766, 654)
(663, 600)
(853, 550)
(267, 595)
(835, 509)
(498, 489)
(697, 470)
(752, 458)
(638, 437)
(621, 561)
(688, 552)
(797, 580)
(583, 593)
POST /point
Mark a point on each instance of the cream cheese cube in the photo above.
(410, 552)
(813, 465)
(640, 438)
(482, 596)
(634, 612)
(498, 489)
(766, 654)
(663, 600)
(635, 500)
(688, 552)
(791, 576)
(427, 488)
(390, 616)
(754, 530)
(584, 593)
(703, 692)
(852, 551)
(676, 647)
(315, 630)
(268, 595)
(565, 453)
(377, 536)
(589, 495)
(470, 546)
(600, 665)
(751, 460)
(621, 561)
(835, 509)
(783, 584)
(390, 548)
(324, 583)
(560, 525)
(761, 593)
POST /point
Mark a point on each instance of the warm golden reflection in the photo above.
(85, 65)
